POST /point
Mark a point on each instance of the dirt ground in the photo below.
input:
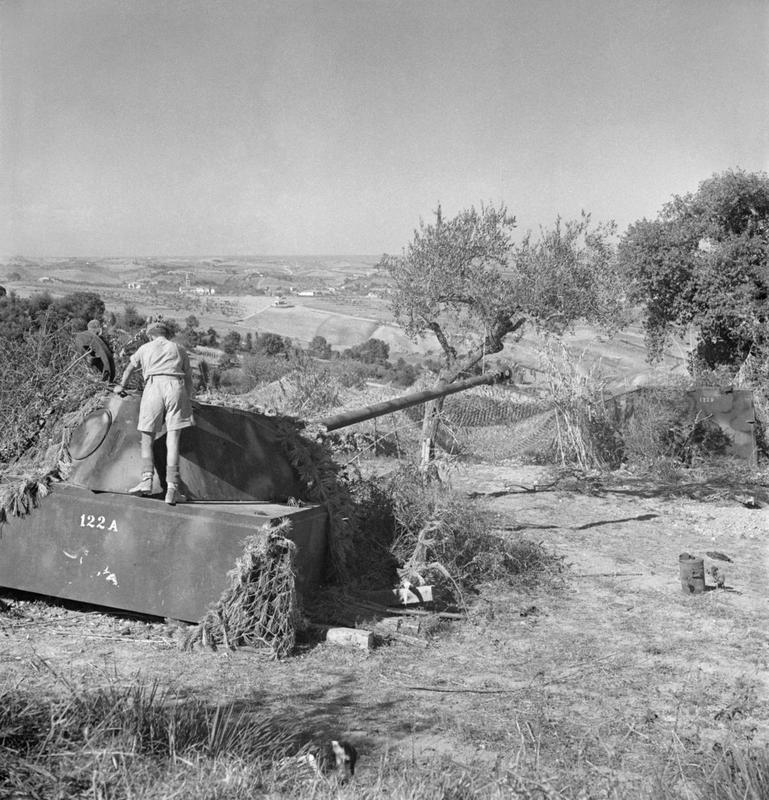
(608, 667)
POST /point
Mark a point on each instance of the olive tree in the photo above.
(703, 264)
(466, 281)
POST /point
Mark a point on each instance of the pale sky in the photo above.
(204, 127)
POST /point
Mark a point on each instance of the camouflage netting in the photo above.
(490, 422)
(495, 422)
(309, 452)
(259, 607)
(30, 475)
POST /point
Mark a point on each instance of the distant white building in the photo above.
(186, 289)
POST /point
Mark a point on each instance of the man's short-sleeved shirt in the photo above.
(161, 357)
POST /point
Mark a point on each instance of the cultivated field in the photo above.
(344, 320)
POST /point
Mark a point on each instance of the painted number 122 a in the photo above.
(100, 523)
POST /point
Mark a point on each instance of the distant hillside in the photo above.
(344, 320)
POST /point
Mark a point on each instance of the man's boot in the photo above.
(144, 487)
(174, 495)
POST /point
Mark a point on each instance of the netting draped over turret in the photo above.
(47, 462)
(259, 607)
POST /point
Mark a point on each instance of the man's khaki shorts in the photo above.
(164, 400)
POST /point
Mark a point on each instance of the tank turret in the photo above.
(91, 541)
(229, 455)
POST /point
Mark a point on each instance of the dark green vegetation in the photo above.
(42, 376)
(73, 311)
(703, 262)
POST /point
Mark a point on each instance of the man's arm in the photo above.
(119, 388)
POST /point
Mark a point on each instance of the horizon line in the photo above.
(198, 257)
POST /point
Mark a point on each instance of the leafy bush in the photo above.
(130, 319)
(272, 344)
(18, 315)
(352, 374)
(372, 351)
(320, 348)
(444, 538)
(403, 373)
(314, 389)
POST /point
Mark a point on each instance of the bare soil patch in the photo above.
(606, 675)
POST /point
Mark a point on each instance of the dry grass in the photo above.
(137, 740)
(584, 435)
(128, 741)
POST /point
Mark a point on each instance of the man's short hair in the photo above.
(158, 329)
(94, 325)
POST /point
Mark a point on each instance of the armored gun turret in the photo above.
(92, 542)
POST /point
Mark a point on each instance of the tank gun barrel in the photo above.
(345, 418)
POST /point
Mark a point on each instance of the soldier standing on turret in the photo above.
(165, 367)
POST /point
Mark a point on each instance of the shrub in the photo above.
(320, 348)
(444, 538)
(272, 344)
(313, 389)
(351, 374)
(263, 368)
(372, 351)
(236, 380)
(131, 320)
(404, 374)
